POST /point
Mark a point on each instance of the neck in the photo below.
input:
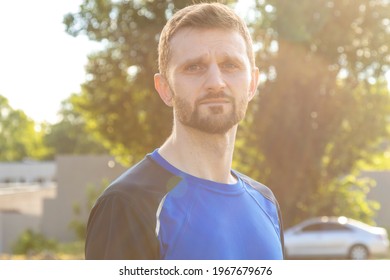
(204, 155)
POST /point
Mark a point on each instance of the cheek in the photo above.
(185, 88)
(240, 79)
(241, 87)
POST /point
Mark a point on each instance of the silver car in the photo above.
(335, 237)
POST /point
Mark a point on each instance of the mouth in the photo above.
(214, 101)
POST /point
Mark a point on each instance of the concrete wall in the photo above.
(48, 208)
(12, 225)
(26, 199)
(74, 175)
(381, 193)
(21, 208)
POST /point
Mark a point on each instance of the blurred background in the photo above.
(78, 106)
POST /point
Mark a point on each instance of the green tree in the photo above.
(18, 137)
(324, 106)
(31, 242)
(70, 135)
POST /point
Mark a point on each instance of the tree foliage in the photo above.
(324, 105)
(31, 242)
(18, 137)
(70, 134)
(322, 63)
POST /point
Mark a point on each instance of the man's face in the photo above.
(210, 79)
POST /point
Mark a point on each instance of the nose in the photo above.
(215, 81)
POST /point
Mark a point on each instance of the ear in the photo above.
(254, 83)
(163, 89)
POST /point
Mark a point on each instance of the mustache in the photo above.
(214, 95)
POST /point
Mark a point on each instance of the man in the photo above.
(183, 201)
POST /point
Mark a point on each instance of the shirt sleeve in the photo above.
(118, 230)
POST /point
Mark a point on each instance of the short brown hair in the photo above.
(204, 15)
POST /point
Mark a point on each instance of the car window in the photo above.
(312, 227)
(334, 227)
(324, 227)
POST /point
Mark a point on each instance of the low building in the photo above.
(27, 172)
(47, 206)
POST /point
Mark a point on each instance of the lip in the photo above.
(214, 101)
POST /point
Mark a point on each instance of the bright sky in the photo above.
(40, 64)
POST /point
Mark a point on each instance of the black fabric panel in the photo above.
(122, 222)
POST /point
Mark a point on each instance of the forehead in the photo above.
(190, 43)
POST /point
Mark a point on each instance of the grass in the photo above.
(64, 251)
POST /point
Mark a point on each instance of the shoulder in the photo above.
(261, 188)
(145, 176)
(274, 209)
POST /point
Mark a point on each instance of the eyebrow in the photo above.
(202, 58)
(197, 59)
(235, 58)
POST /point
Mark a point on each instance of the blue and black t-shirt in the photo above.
(156, 211)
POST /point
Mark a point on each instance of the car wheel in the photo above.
(358, 252)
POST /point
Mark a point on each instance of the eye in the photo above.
(196, 67)
(230, 66)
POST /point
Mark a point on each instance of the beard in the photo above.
(218, 119)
